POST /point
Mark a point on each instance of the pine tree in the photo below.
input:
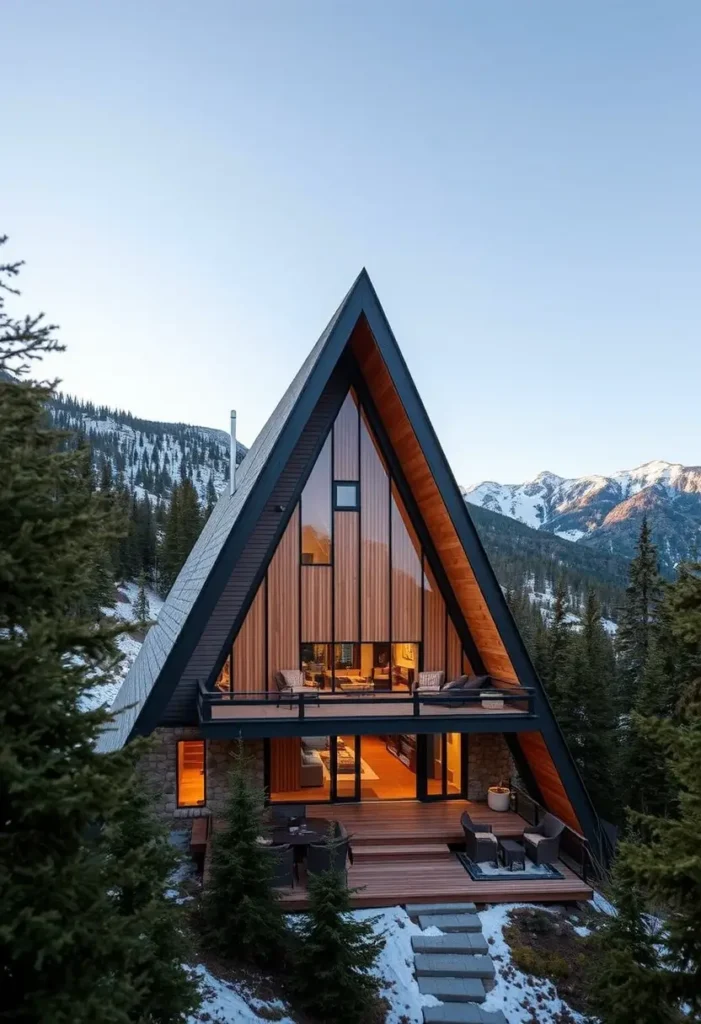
(627, 985)
(558, 640)
(142, 609)
(335, 954)
(146, 859)
(67, 952)
(638, 618)
(242, 913)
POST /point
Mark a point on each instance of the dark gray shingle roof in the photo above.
(162, 636)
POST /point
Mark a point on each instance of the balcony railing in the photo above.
(229, 705)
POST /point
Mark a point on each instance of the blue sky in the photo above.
(195, 186)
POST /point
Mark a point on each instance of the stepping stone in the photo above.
(417, 909)
(453, 965)
(462, 1013)
(451, 922)
(458, 942)
(453, 990)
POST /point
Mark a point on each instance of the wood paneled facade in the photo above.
(378, 587)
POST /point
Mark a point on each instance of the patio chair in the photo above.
(542, 843)
(480, 844)
(342, 834)
(290, 683)
(284, 865)
(429, 682)
(281, 813)
(326, 857)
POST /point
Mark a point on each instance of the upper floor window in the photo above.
(346, 495)
(316, 511)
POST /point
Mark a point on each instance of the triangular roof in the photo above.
(358, 326)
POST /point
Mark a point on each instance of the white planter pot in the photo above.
(498, 801)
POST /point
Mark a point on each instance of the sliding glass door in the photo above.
(442, 766)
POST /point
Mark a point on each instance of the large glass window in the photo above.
(191, 773)
(316, 664)
(223, 682)
(316, 511)
(300, 770)
(405, 665)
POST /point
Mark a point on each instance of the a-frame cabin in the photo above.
(325, 601)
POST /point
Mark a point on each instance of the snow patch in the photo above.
(573, 535)
(224, 1003)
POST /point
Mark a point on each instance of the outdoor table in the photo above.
(308, 830)
(512, 853)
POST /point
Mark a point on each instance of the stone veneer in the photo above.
(158, 766)
(488, 763)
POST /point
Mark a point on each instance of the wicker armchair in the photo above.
(542, 843)
(284, 869)
(480, 843)
(327, 856)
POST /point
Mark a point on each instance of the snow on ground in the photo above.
(105, 692)
(573, 535)
(514, 992)
(223, 1003)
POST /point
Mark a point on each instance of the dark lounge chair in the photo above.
(327, 856)
(480, 843)
(542, 843)
(284, 861)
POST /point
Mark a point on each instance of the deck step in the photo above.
(416, 909)
(458, 942)
(453, 965)
(453, 990)
(462, 1013)
(401, 850)
(451, 922)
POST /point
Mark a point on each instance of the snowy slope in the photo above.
(605, 511)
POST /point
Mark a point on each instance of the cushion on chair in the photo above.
(456, 684)
(294, 678)
(485, 835)
(430, 681)
(534, 837)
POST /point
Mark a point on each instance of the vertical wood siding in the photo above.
(345, 441)
(249, 648)
(283, 601)
(454, 652)
(316, 603)
(406, 575)
(434, 625)
(346, 576)
(374, 539)
(546, 775)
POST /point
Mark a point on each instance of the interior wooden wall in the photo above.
(316, 603)
(285, 761)
(283, 601)
(346, 576)
(249, 647)
(374, 539)
(345, 441)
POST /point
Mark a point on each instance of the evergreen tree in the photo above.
(211, 498)
(335, 954)
(627, 983)
(638, 618)
(182, 528)
(142, 609)
(67, 951)
(241, 910)
(146, 858)
(558, 640)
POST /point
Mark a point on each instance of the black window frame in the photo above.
(355, 484)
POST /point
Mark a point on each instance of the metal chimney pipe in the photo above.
(232, 456)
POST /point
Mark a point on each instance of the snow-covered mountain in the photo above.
(605, 511)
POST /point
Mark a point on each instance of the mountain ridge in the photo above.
(605, 512)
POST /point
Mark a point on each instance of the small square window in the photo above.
(346, 496)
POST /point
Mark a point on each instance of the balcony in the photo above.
(318, 713)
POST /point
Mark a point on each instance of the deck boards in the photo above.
(418, 875)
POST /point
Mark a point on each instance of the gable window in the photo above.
(346, 495)
(316, 511)
(191, 773)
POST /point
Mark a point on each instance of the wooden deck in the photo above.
(401, 855)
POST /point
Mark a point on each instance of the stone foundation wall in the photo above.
(159, 769)
(489, 763)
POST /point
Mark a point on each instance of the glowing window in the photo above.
(191, 773)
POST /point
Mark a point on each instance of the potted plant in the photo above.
(498, 797)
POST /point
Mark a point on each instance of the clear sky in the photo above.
(194, 186)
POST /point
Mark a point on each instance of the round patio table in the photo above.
(307, 830)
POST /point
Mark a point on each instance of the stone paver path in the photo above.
(453, 966)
